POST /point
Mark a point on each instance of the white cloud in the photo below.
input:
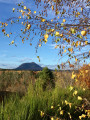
(8, 66)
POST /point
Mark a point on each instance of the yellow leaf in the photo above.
(6, 24)
(61, 112)
(12, 42)
(52, 118)
(52, 7)
(64, 20)
(73, 31)
(83, 89)
(25, 7)
(45, 41)
(61, 35)
(66, 102)
(46, 36)
(28, 26)
(81, 9)
(42, 114)
(13, 9)
(19, 17)
(86, 42)
(52, 107)
(70, 105)
(76, 44)
(79, 98)
(56, 46)
(39, 45)
(80, 117)
(83, 33)
(21, 10)
(57, 33)
(52, 30)
(8, 35)
(75, 92)
(73, 75)
(34, 11)
(43, 20)
(51, 20)
(76, 59)
(64, 50)
(78, 13)
(62, 24)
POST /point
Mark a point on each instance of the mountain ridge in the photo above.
(29, 66)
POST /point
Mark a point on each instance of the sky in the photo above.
(12, 56)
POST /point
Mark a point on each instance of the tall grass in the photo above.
(42, 105)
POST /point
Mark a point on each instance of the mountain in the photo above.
(29, 66)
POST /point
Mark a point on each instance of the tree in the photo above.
(68, 27)
(47, 79)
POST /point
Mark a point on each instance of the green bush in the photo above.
(47, 79)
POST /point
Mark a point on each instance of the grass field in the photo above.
(23, 97)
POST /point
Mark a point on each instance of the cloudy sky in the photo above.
(12, 56)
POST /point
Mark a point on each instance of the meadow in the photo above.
(43, 95)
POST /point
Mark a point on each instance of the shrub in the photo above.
(47, 79)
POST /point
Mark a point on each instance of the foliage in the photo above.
(59, 103)
(82, 78)
(68, 27)
(47, 79)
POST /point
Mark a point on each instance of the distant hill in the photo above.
(29, 66)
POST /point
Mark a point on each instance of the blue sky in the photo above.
(12, 56)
